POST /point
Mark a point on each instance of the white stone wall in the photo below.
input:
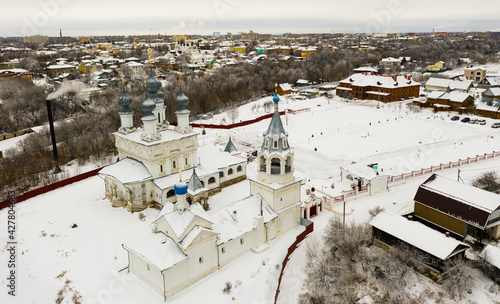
(152, 276)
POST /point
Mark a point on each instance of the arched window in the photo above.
(275, 144)
(284, 143)
(275, 166)
(211, 180)
(221, 174)
(189, 200)
(230, 171)
(239, 169)
(173, 164)
(170, 193)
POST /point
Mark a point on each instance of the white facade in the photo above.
(189, 241)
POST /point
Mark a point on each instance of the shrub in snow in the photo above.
(227, 288)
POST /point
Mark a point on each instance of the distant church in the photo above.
(163, 166)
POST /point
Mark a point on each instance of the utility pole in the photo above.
(343, 214)
(458, 178)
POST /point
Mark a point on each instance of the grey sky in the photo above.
(111, 17)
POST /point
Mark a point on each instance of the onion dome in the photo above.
(181, 188)
(147, 107)
(153, 85)
(276, 98)
(181, 101)
(125, 101)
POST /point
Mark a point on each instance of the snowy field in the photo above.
(89, 260)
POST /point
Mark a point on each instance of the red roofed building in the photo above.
(379, 87)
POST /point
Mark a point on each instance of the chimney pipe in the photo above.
(234, 215)
(53, 136)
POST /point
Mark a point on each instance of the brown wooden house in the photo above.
(379, 87)
(459, 209)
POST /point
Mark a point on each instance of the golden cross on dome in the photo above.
(144, 80)
(180, 79)
(123, 81)
(276, 87)
(180, 174)
(149, 55)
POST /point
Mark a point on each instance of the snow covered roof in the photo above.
(492, 92)
(60, 66)
(493, 81)
(180, 222)
(489, 104)
(453, 84)
(366, 69)
(167, 135)
(465, 202)
(492, 255)
(246, 210)
(285, 86)
(455, 96)
(361, 170)
(158, 249)
(379, 81)
(418, 235)
(390, 59)
(126, 171)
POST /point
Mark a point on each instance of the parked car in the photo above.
(465, 119)
(496, 125)
(473, 121)
(481, 122)
(455, 118)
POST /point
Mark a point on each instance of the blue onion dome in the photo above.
(181, 188)
(148, 106)
(276, 98)
(181, 101)
(125, 101)
(153, 85)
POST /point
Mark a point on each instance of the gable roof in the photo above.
(182, 223)
(492, 255)
(158, 249)
(127, 171)
(453, 84)
(464, 202)
(379, 81)
(418, 235)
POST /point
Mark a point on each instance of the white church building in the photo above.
(191, 239)
(151, 157)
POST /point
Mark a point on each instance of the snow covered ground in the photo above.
(89, 259)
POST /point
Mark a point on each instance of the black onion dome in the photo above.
(153, 85)
(181, 101)
(148, 106)
(125, 101)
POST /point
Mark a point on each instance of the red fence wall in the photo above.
(53, 186)
(231, 126)
(291, 249)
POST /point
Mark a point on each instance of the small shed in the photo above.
(284, 89)
(363, 175)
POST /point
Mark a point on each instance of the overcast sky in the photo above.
(127, 17)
